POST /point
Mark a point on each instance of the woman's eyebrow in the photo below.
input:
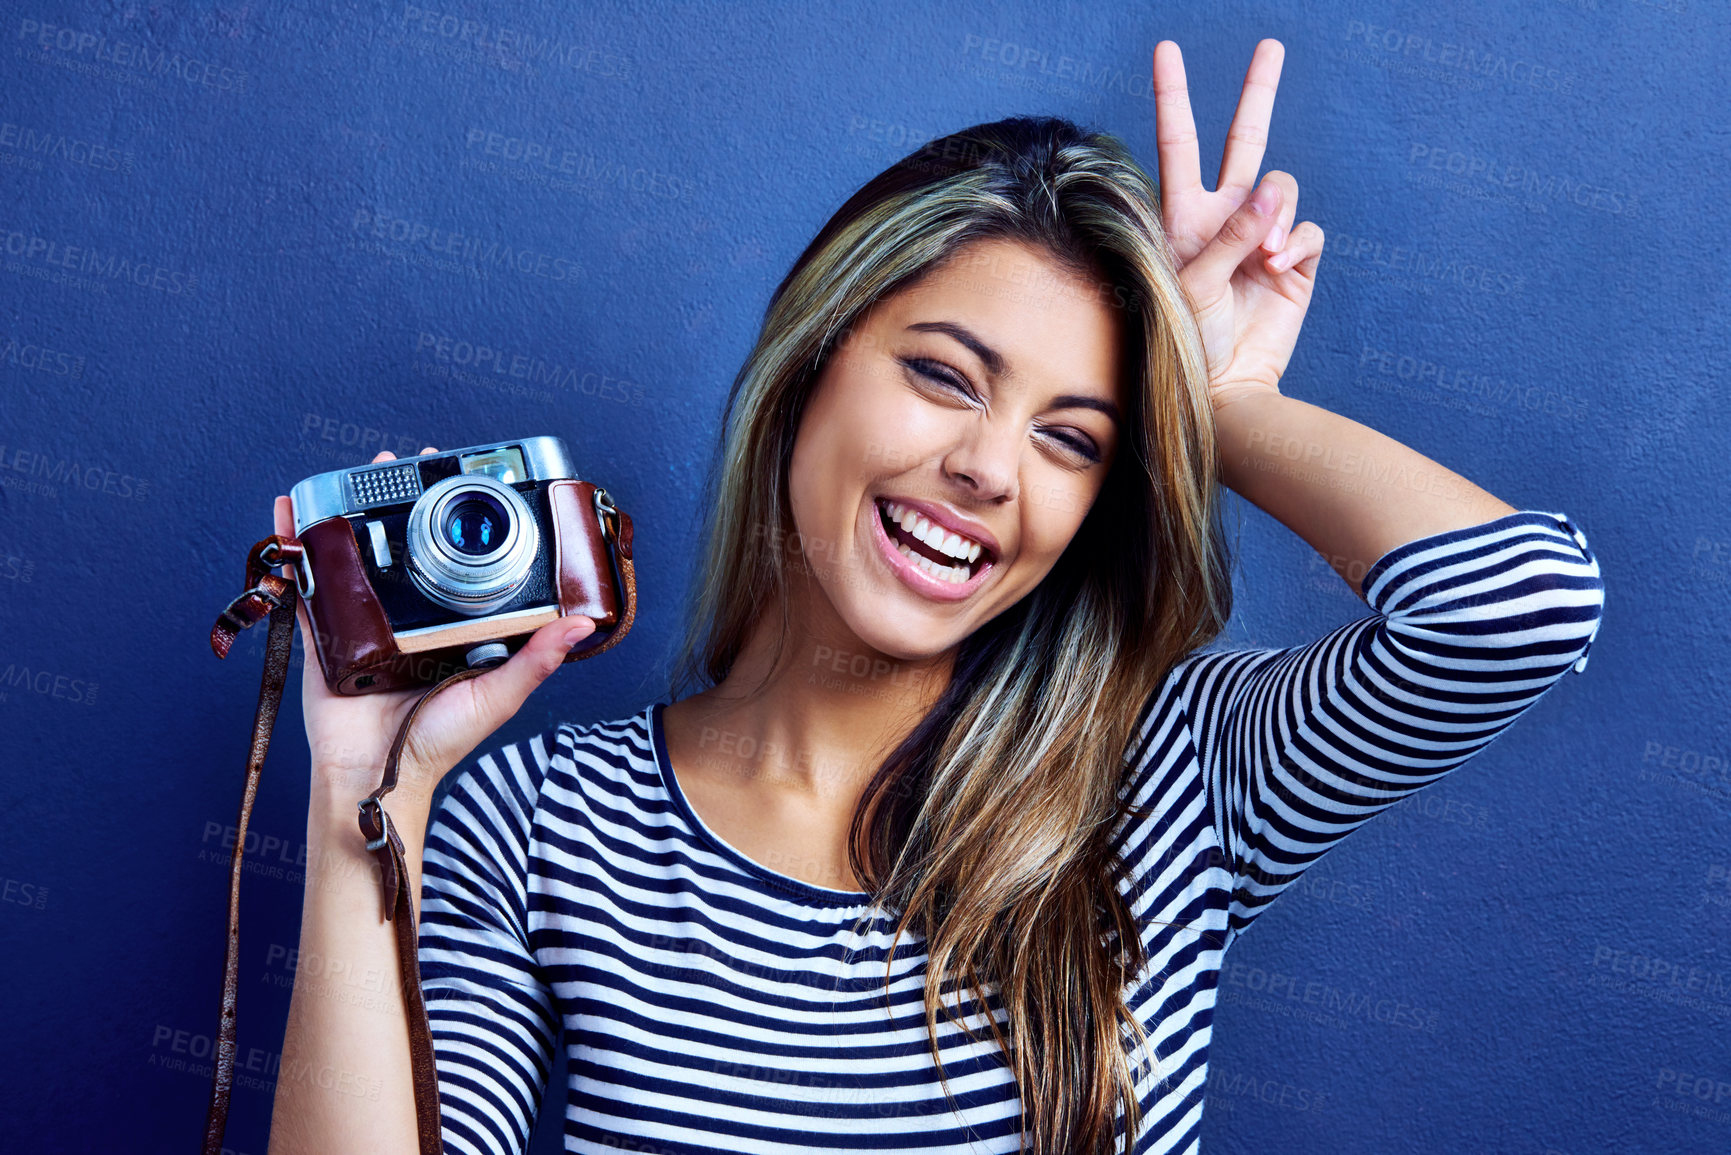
(993, 361)
(1079, 401)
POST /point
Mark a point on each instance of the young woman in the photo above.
(946, 849)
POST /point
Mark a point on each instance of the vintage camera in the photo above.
(420, 567)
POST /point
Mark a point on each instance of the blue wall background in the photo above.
(242, 244)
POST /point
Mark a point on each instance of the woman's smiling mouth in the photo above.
(934, 561)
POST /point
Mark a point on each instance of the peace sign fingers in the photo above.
(1191, 214)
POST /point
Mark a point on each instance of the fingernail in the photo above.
(1276, 239)
(578, 632)
(1267, 196)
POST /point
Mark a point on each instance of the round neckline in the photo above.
(786, 882)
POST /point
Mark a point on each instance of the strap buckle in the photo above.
(382, 821)
(237, 622)
(270, 555)
(608, 514)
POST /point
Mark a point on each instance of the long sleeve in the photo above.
(1301, 746)
(491, 1013)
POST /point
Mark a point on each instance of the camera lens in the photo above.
(475, 524)
(472, 541)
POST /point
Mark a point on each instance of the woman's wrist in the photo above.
(337, 791)
(1247, 421)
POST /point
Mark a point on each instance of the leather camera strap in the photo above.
(399, 908)
(266, 594)
(273, 596)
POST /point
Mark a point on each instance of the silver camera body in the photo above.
(446, 537)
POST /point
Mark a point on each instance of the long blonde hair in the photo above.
(990, 826)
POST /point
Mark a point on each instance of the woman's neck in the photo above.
(815, 714)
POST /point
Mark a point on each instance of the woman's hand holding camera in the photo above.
(351, 737)
(340, 918)
(1248, 271)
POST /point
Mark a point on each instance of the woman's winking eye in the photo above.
(1076, 442)
(1073, 441)
(941, 373)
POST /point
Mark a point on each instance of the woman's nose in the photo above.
(984, 458)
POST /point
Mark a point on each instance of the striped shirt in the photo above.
(709, 1003)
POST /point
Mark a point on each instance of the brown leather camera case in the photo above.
(357, 650)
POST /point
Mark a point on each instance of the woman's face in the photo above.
(952, 446)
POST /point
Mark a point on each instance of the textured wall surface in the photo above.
(240, 244)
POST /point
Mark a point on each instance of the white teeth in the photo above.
(952, 574)
(917, 526)
(955, 575)
(921, 529)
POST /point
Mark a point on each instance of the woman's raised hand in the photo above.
(350, 737)
(1249, 272)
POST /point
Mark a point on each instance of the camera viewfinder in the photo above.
(503, 465)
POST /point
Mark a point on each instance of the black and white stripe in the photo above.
(711, 1004)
